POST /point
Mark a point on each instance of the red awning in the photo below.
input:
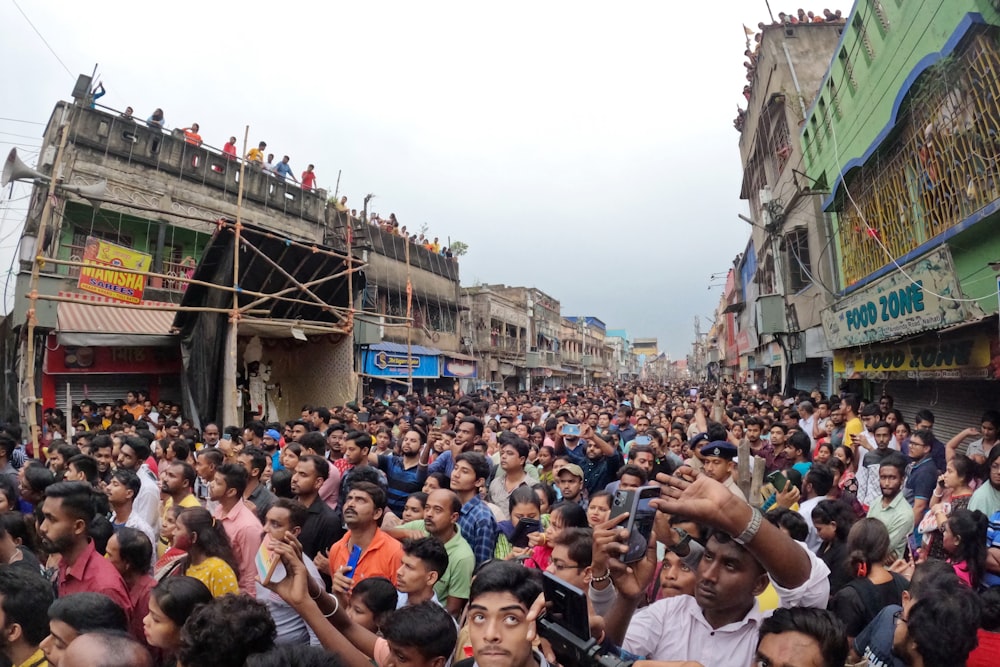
(91, 320)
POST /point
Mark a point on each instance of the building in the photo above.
(645, 349)
(395, 353)
(589, 348)
(132, 233)
(624, 364)
(543, 358)
(783, 276)
(496, 334)
(903, 135)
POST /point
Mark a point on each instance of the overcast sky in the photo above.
(583, 148)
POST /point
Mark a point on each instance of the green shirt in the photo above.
(457, 577)
(898, 520)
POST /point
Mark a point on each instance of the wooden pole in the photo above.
(144, 306)
(29, 370)
(230, 400)
(409, 322)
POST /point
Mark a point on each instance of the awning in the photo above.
(96, 321)
(400, 348)
(459, 356)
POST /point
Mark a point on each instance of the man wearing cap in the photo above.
(696, 442)
(570, 481)
(717, 463)
(269, 443)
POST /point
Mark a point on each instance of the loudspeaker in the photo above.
(15, 170)
(92, 193)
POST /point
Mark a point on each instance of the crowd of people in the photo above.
(497, 530)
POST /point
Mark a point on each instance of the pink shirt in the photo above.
(244, 532)
(330, 491)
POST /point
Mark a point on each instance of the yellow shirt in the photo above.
(215, 574)
(37, 659)
(854, 427)
(255, 155)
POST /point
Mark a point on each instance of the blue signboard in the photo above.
(394, 364)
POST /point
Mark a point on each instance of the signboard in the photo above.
(960, 357)
(458, 368)
(71, 359)
(101, 277)
(901, 303)
(393, 364)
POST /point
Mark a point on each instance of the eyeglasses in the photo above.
(898, 617)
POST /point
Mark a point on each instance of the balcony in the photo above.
(941, 166)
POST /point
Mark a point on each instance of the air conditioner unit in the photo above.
(366, 332)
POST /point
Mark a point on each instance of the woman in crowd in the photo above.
(599, 508)
(371, 603)
(872, 586)
(170, 604)
(435, 481)
(563, 515)
(289, 457)
(414, 507)
(209, 557)
(524, 505)
(964, 541)
(833, 520)
(952, 494)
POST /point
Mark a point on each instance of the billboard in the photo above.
(101, 274)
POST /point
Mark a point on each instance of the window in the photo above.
(848, 69)
(799, 270)
(862, 30)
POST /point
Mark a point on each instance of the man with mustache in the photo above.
(381, 555)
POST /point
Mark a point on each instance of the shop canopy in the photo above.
(95, 321)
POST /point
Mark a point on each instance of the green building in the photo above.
(904, 138)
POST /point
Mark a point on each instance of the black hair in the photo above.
(427, 627)
(87, 612)
(9, 491)
(64, 450)
(634, 471)
(573, 514)
(579, 543)
(213, 455)
(867, 543)
(894, 460)
(319, 463)
(791, 521)
(135, 549)
(930, 576)
(969, 529)
(801, 442)
(958, 610)
(181, 449)
(297, 512)
(22, 596)
(281, 483)
(236, 477)
(379, 595)
(836, 512)
(212, 539)
(990, 603)
(258, 458)
(139, 446)
(225, 632)
(818, 624)
(853, 401)
(359, 438)
(78, 499)
(178, 596)
(518, 445)
(477, 461)
(847, 451)
(500, 576)
(295, 655)
(129, 480)
(373, 491)
(39, 478)
(820, 476)
(420, 497)
(315, 441)
(476, 423)
(925, 415)
(523, 494)
(187, 471)
(368, 474)
(431, 551)
(85, 464)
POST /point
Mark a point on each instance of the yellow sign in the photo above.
(101, 274)
(930, 356)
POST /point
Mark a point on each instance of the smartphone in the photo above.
(911, 544)
(227, 436)
(778, 480)
(640, 518)
(693, 392)
(571, 430)
(643, 440)
(364, 417)
(566, 605)
(352, 562)
(269, 566)
(524, 528)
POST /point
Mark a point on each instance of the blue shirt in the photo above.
(479, 528)
(443, 463)
(402, 481)
(282, 169)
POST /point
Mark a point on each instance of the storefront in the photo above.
(387, 366)
(462, 369)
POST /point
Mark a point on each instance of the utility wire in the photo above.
(44, 41)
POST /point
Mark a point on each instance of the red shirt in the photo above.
(308, 180)
(91, 573)
(987, 654)
(229, 150)
(139, 595)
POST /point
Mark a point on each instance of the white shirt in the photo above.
(292, 629)
(690, 637)
(137, 522)
(147, 503)
(807, 427)
(805, 509)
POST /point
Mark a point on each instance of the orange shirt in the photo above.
(382, 558)
(192, 137)
(137, 411)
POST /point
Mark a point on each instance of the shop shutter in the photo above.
(956, 404)
(110, 388)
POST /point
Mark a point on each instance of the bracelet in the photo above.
(336, 607)
(317, 595)
(752, 528)
(603, 577)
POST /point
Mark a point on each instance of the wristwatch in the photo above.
(750, 531)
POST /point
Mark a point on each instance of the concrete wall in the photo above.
(317, 373)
